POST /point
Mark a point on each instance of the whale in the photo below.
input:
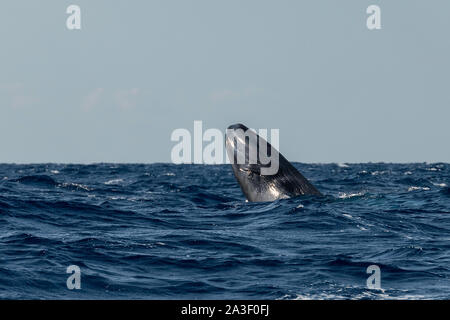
(262, 172)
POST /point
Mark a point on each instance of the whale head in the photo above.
(261, 171)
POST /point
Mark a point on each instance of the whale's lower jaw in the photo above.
(257, 186)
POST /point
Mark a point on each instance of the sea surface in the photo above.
(163, 231)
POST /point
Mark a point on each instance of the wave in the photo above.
(37, 180)
(185, 231)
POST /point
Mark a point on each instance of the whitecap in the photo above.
(344, 195)
(367, 294)
(375, 173)
(443, 185)
(114, 181)
(117, 198)
(413, 188)
(76, 185)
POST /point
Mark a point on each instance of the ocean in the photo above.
(164, 231)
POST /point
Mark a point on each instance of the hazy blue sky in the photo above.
(115, 90)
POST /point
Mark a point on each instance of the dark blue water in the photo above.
(185, 232)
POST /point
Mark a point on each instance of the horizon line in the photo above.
(219, 164)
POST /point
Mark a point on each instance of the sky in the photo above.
(115, 90)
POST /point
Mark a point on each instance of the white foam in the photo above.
(77, 185)
(342, 165)
(343, 195)
(413, 188)
(114, 181)
(371, 294)
(443, 185)
(118, 198)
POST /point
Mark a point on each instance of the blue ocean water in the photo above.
(164, 231)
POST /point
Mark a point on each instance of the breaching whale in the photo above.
(261, 171)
